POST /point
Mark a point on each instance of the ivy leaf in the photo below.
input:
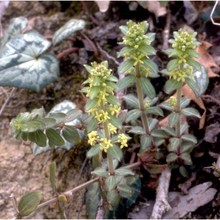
(29, 202)
(67, 30)
(15, 27)
(24, 63)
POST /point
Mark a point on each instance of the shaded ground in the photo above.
(20, 171)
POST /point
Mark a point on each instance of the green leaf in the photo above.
(72, 115)
(158, 141)
(29, 203)
(115, 152)
(174, 144)
(186, 158)
(186, 147)
(132, 101)
(155, 111)
(152, 123)
(124, 29)
(124, 50)
(189, 137)
(113, 100)
(115, 121)
(173, 119)
(123, 171)
(93, 195)
(111, 182)
(24, 63)
(53, 175)
(171, 157)
(194, 63)
(194, 86)
(92, 124)
(67, 30)
(32, 126)
(184, 102)
(145, 143)
(183, 127)
(137, 130)
(172, 65)
(183, 171)
(159, 133)
(152, 66)
(54, 137)
(71, 134)
(125, 66)
(147, 87)
(93, 151)
(113, 198)
(147, 49)
(49, 122)
(169, 131)
(91, 104)
(100, 171)
(38, 137)
(191, 112)
(94, 91)
(125, 191)
(133, 115)
(126, 82)
(171, 85)
(167, 106)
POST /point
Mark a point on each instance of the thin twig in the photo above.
(6, 101)
(93, 46)
(161, 205)
(211, 15)
(166, 32)
(67, 52)
(212, 98)
(107, 55)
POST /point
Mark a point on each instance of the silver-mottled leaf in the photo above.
(68, 29)
(24, 64)
(15, 27)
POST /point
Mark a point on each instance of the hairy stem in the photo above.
(178, 110)
(141, 101)
(110, 160)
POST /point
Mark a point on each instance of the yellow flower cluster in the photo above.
(147, 104)
(105, 144)
(123, 140)
(112, 128)
(172, 101)
(114, 110)
(182, 73)
(184, 40)
(93, 138)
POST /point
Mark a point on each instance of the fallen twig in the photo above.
(6, 101)
(67, 52)
(161, 205)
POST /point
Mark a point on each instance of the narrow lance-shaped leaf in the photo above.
(71, 134)
(115, 152)
(67, 30)
(125, 66)
(171, 85)
(126, 82)
(24, 63)
(147, 87)
(191, 112)
(54, 137)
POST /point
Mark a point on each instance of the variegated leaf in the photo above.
(68, 29)
(24, 64)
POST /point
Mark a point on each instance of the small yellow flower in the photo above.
(105, 144)
(102, 116)
(114, 110)
(93, 138)
(123, 140)
(112, 128)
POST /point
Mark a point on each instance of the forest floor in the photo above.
(21, 171)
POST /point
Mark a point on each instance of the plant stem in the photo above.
(110, 160)
(178, 109)
(141, 101)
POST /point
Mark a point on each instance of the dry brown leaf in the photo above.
(188, 93)
(206, 59)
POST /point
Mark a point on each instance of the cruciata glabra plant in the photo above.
(105, 134)
(105, 131)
